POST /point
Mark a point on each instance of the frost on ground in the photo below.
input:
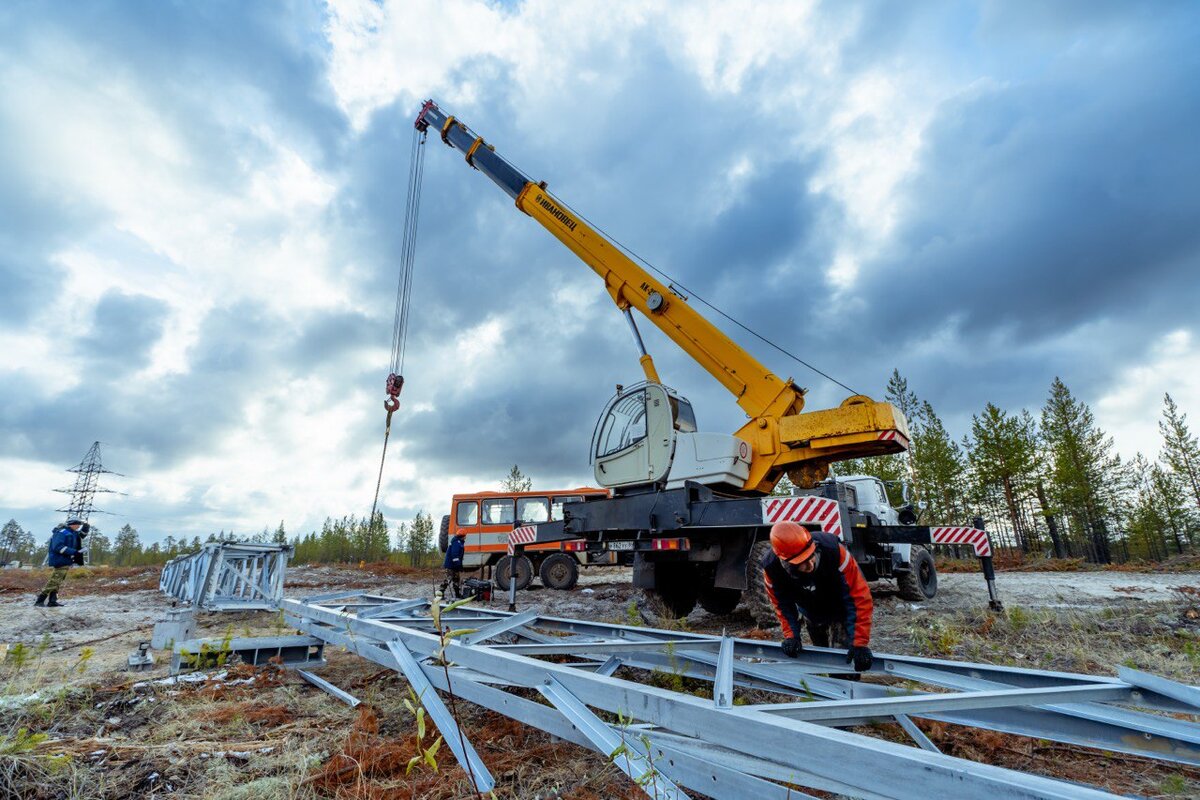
(93, 730)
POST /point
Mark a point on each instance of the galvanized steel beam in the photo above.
(691, 730)
(228, 576)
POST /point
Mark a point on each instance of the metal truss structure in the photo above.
(228, 576)
(726, 747)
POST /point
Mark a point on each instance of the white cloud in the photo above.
(1130, 410)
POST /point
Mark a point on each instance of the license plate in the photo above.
(620, 545)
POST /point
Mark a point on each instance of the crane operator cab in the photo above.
(646, 437)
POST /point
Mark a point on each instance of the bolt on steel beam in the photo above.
(1081, 709)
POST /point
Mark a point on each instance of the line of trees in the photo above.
(348, 539)
(1050, 484)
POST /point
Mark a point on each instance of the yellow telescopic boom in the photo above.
(782, 437)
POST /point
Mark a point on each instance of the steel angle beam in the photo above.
(398, 609)
(1088, 724)
(329, 688)
(717, 781)
(622, 749)
(723, 682)
(918, 735)
(1180, 692)
(721, 757)
(932, 703)
(617, 646)
(452, 736)
(609, 666)
(862, 763)
(499, 627)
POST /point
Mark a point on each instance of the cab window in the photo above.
(498, 512)
(684, 416)
(625, 424)
(467, 514)
(556, 505)
(533, 509)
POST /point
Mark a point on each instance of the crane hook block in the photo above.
(394, 384)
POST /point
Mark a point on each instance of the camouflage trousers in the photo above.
(453, 577)
(56, 580)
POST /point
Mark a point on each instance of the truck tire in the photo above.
(524, 572)
(444, 534)
(758, 602)
(920, 582)
(675, 588)
(719, 601)
(559, 571)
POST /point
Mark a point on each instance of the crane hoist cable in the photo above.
(408, 249)
(675, 284)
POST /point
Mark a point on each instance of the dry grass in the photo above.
(1015, 561)
(1160, 637)
(82, 580)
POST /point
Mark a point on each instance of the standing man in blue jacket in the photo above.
(453, 564)
(66, 548)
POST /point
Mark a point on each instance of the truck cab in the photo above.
(866, 498)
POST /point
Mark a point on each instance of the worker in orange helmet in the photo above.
(813, 575)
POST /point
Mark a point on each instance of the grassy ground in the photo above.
(73, 728)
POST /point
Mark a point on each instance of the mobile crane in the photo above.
(695, 508)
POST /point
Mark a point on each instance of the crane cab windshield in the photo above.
(635, 435)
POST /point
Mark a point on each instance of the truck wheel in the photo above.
(675, 588)
(920, 582)
(444, 534)
(524, 572)
(758, 602)
(720, 601)
(559, 571)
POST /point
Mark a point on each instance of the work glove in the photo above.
(86, 528)
(861, 656)
(792, 647)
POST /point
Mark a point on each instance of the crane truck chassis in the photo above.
(695, 508)
(690, 546)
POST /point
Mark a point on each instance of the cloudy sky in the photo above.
(201, 207)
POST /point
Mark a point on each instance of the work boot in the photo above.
(41, 600)
(53, 601)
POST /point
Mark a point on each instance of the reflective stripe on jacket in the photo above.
(833, 592)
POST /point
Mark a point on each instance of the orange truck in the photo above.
(488, 517)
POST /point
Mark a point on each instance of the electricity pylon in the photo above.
(83, 493)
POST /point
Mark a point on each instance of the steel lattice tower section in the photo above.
(83, 493)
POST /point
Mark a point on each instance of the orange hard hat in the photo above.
(792, 542)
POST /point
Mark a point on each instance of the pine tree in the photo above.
(1181, 449)
(10, 540)
(128, 547)
(1085, 474)
(99, 547)
(420, 538)
(280, 535)
(516, 481)
(939, 466)
(1002, 451)
(1174, 506)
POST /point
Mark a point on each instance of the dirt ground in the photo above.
(74, 724)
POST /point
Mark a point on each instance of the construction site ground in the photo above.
(75, 724)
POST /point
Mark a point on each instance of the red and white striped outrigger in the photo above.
(526, 534)
(820, 511)
(958, 535)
